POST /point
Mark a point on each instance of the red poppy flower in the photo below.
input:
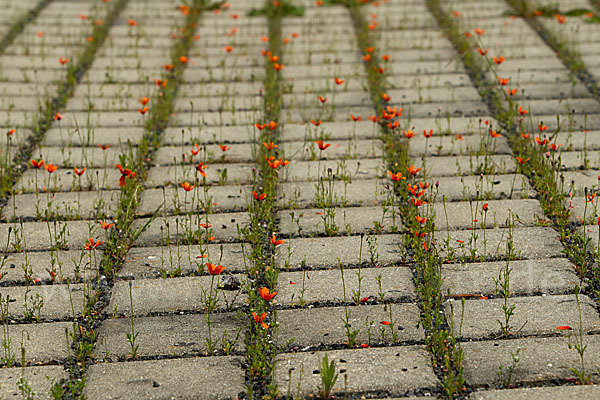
(275, 242)
(396, 176)
(106, 226)
(316, 123)
(257, 196)
(79, 172)
(37, 164)
(357, 118)
(91, 244)
(186, 186)
(322, 146)
(265, 294)
(50, 168)
(214, 269)
(259, 320)
(322, 99)
(200, 168)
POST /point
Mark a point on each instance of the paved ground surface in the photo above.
(343, 266)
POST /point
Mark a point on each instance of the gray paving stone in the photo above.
(65, 180)
(90, 157)
(353, 169)
(501, 213)
(325, 286)
(544, 276)
(326, 326)
(537, 315)
(53, 301)
(228, 198)
(357, 192)
(172, 295)
(458, 144)
(580, 392)
(184, 378)
(467, 244)
(44, 343)
(153, 262)
(541, 360)
(407, 369)
(40, 379)
(73, 264)
(484, 187)
(186, 228)
(211, 134)
(177, 335)
(103, 136)
(235, 174)
(45, 235)
(310, 222)
(383, 250)
(72, 205)
(168, 155)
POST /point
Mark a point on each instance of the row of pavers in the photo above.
(310, 282)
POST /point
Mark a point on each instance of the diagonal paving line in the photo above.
(20, 23)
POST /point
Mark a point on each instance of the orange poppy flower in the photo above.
(367, 57)
(386, 97)
(420, 219)
(50, 168)
(408, 133)
(482, 51)
(494, 134)
(37, 164)
(396, 176)
(186, 186)
(564, 328)
(215, 269)
(92, 244)
(560, 18)
(525, 135)
(259, 320)
(200, 168)
(143, 101)
(270, 145)
(224, 148)
(258, 197)
(316, 123)
(521, 160)
(540, 141)
(143, 110)
(479, 31)
(522, 111)
(427, 134)
(183, 59)
(338, 81)
(79, 172)
(357, 118)
(322, 146)
(131, 22)
(542, 127)
(63, 60)
(503, 81)
(322, 99)
(417, 202)
(228, 48)
(125, 173)
(385, 57)
(485, 207)
(106, 226)
(160, 82)
(512, 92)
(266, 295)
(11, 132)
(499, 60)
(195, 150)
(168, 67)
(276, 242)
(58, 116)
(412, 170)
